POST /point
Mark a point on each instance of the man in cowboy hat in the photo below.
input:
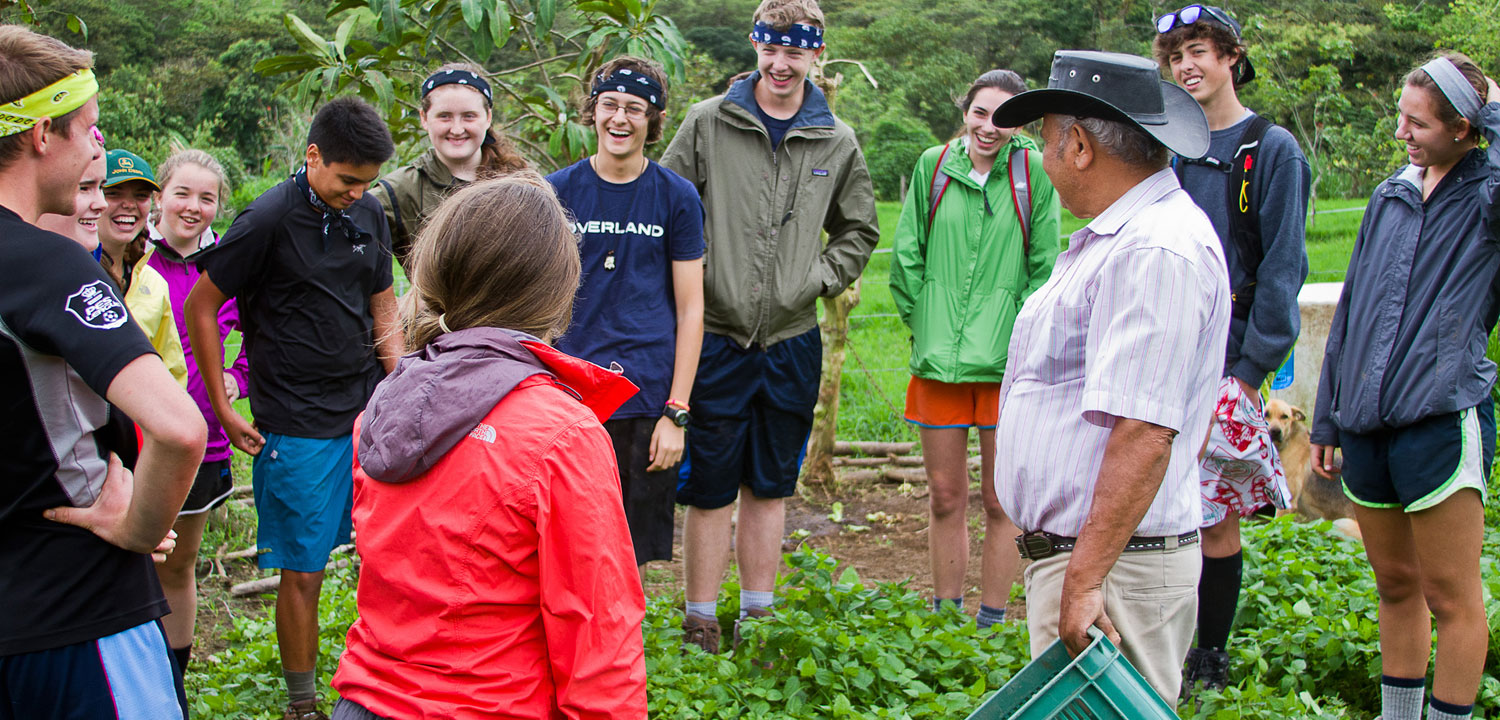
(1113, 368)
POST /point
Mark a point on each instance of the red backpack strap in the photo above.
(1019, 169)
(939, 186)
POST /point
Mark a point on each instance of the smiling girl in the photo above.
(456, 113)
(963, 263)
(192, 183)
(123, 256)
(1406, 385)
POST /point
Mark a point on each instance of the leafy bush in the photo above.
(835, 648)
(894, 147)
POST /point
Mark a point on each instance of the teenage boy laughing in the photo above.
(1260, 222)
(775, 168)
(640, 301)
(309, 262)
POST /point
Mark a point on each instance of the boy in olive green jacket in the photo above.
(775, 169)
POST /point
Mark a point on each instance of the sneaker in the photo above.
(303, 710)
(1204, 669)
(703, 632)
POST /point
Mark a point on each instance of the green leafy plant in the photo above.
(537, 53)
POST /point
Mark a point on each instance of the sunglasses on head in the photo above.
(1192, 14)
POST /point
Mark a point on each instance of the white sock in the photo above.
(708, 609)
(754, 599)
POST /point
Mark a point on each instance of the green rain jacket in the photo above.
(766, 264)
(960, 285)
(409, 194)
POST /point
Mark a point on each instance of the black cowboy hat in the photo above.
(1114, 86)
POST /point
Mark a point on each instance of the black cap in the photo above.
(1114, 86)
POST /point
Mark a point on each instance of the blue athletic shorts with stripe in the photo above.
(752, 414)
(1420, 465)
(304, 492)
(130, 675)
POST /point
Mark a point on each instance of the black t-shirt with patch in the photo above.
(304, 301)
(64, 336)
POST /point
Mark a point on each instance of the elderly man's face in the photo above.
(1059, 168)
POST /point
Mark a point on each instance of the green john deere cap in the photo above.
(124, 166)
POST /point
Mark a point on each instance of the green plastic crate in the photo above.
(1100, 684)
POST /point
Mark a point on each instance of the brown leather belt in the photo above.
(1037, 544)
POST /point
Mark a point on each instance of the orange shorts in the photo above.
(934, 404)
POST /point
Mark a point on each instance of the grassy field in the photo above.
(875, 375)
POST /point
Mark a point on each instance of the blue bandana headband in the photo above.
(458, 77)
(631, 82)
(799, 35)
(1455, 87)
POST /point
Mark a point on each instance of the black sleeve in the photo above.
(68, 308)
(239, 260)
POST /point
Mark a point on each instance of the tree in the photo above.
(537, 54)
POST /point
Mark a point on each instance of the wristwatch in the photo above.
(677, 415)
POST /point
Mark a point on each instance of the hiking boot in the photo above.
(303, 710)
(701, 631)
(1204, 669)
(759, 647)
(751, 613)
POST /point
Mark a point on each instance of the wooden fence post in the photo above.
(835, 330)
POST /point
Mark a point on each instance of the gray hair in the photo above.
(1123, 141)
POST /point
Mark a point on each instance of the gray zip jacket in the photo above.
(1421, 296)
(766, 264)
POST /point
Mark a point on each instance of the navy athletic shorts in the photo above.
(129, 675)
(1420, 465)
(648, 495)
(752, 414)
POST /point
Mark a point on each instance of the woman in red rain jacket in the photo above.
(498, 577)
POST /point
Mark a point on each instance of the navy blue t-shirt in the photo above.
(626, 311)
(775, 127)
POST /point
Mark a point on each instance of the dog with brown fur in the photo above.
(1313, 497)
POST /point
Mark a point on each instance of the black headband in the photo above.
(629, 81)
(457, 77)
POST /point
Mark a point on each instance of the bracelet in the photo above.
(680, 405)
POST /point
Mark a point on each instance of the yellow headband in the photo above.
(54, 101)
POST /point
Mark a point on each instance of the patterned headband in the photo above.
(457, 77)
(799, 35)
(1455, 87)
(628, 81)
(54, 101)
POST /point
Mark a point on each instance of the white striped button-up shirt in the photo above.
(1132, 324)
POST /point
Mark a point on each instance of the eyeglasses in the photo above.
(98, 135)
(608, 108)
(1192, 14)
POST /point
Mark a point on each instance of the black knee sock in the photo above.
(183, 655)
(1218, 595)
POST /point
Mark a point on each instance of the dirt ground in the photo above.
(892, 549)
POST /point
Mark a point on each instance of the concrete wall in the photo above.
(1317, 301)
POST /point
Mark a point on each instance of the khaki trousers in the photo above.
(1152, 598)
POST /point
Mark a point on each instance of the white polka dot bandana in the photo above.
(628, 81)
(797, 35)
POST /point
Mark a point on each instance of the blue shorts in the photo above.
(1420, 465)
(752, 414)
(304, 492)
(126, 676)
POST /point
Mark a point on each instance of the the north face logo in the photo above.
(96, 306)
(483, 432)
